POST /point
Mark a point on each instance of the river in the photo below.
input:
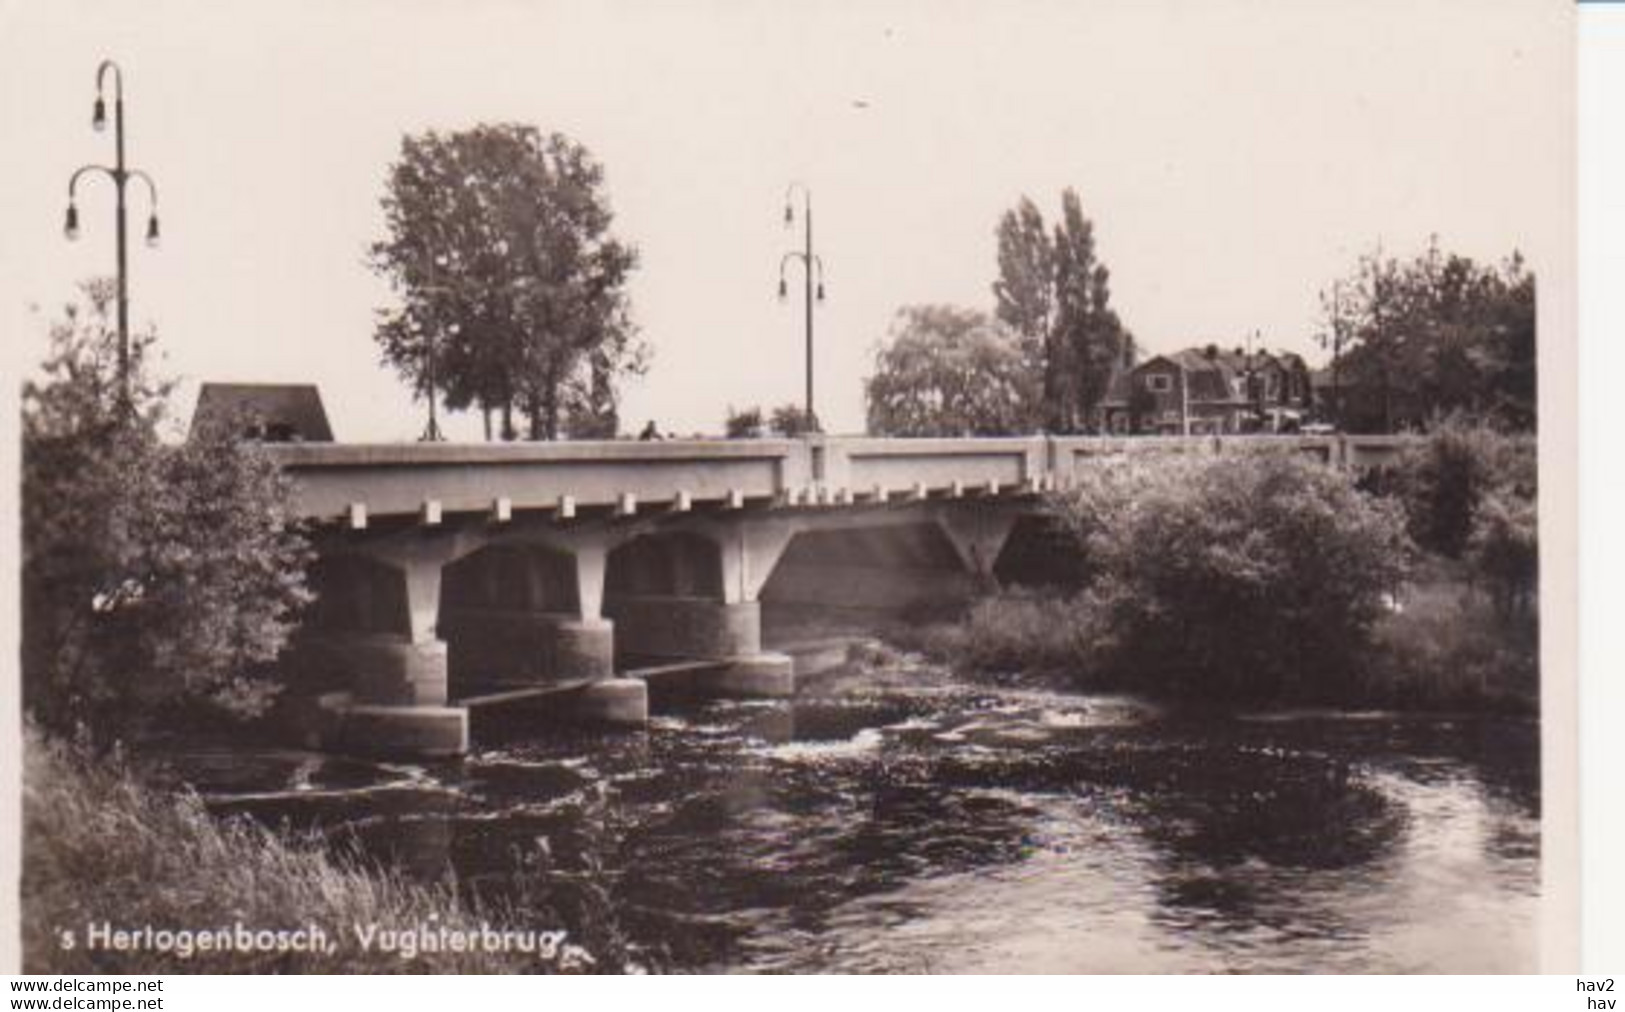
(896, 817)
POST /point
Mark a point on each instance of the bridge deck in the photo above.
(348, 483)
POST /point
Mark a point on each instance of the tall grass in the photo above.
(99, 845)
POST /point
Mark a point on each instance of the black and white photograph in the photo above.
(725, 487)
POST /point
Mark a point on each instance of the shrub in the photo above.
(744, 424)
(154, 575)
(1015, 632)
(1444, 480)
(1451, 651)
(99, 845)
(791, 421)
(1503, 550)
(1233, 577)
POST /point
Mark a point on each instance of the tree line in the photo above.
(1043, 359)
(1411, 342)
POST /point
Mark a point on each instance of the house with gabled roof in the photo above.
(1209, 390)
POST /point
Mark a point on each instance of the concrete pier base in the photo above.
(757, 676)
(492, 649)
(413, 731)
(584, 648)
(679, 627)
(619, 702)
(379, 668)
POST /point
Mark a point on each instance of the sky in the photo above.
(1235, 156)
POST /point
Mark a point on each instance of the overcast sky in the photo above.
(1235, 157)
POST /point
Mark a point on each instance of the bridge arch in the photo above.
(672, 564)
(358, 594)
(509, 613)
(511, 576)
(885, 566)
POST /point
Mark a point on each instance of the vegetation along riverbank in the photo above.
(1265, 579)
(124, 875)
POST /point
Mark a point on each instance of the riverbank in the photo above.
(1442, 647)
(107, 851)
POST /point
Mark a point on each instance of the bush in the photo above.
(154, 575)
(1444, 481)
(791, 421)
(1503, 550)
(744, 424)
(1234, 576)
(1016, 632)
(1448, 650)
(99, 845)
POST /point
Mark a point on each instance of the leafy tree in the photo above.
(1436, 335)
(946, 371)
(1053, 291)
(154, 576)
(511, 284)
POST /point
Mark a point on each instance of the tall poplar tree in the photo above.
(1053, 291)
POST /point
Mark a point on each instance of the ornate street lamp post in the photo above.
(810, 263)
(120, 175)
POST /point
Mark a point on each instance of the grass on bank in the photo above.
(99, 845)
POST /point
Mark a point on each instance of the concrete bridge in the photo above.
(454, 577)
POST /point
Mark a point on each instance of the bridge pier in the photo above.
(693, 594)
(375, 653)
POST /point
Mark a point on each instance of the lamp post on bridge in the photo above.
(809, 263)
(431, 350)
(120, 174)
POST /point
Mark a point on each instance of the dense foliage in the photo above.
(1233, 577)
(1435, 335)
(153, 575)
(512, 287)
(1470, 493)
(945, 371)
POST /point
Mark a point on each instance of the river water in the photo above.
(900, 818)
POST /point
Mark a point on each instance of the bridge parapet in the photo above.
(354, 481)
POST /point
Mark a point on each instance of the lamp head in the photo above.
(98, 117)
(820, 291)
(70, 224)
(784, 289)
(789, 214)
(152, 231)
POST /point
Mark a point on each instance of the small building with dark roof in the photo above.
(268, 412)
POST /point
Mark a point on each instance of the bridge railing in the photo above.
(354, 481)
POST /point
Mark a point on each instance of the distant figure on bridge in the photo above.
(650, 432)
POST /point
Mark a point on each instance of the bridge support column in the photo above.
(978, 535)
(665, 626)
(587, 645)
(386, 679)
(749, 554)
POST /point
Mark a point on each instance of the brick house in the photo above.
(1208, 391)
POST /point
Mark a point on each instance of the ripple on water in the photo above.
(949, 826)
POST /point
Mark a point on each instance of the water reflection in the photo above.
(901, 820)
